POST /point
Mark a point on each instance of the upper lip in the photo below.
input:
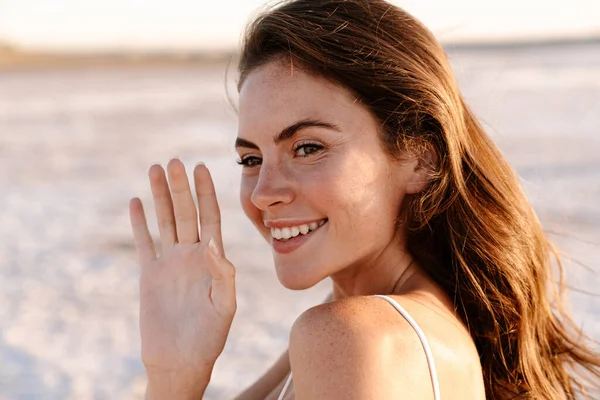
(285, 223)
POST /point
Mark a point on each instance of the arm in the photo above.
(181, 386)
(269, 381)
(273, 378)
(355, 349)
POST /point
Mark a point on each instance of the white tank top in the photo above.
(422, 338)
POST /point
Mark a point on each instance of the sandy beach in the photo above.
(75, 146)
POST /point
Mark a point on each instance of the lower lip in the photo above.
(287, 246)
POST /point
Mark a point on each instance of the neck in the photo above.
(385, 273)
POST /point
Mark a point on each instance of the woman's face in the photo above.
(316, 182)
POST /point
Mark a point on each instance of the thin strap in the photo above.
(285, 387)
(424, 342)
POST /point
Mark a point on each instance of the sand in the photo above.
(75, 146)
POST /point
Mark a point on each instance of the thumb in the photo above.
(223, 280)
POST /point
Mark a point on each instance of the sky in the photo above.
(91, 25)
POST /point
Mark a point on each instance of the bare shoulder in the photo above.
(361, 347)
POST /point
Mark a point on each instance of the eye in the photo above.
(306, 149)
(249, 161)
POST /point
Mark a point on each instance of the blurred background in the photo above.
(93, 92)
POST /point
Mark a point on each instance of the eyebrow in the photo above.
(289, 132)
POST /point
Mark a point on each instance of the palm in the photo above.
(187, 295)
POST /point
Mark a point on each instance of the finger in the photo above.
(186, 217)
(223, 280)
(210, 215)
(163, 206)
(144, 245)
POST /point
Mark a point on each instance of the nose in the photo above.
(272, 188)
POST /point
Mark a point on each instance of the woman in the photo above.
(362, 163)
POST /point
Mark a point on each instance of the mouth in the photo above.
(288, 239)
(290, 232)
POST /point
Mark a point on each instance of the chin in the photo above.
(291, 278)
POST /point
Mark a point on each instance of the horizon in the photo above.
(108, 26)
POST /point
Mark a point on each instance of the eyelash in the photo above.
(304, 145)
(247, 161)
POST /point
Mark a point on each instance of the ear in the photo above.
(422, 169)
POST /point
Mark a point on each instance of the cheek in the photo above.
(366, 198)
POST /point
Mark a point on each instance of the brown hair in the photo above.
(472, 229)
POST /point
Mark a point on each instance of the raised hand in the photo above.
(187, 294)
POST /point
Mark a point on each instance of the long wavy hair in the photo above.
(472, 228)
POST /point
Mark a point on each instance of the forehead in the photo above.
(280, 93)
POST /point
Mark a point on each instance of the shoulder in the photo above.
(357, 348)
(361, 317)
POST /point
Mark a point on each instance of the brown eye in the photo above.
(249, 161)
(305, 150)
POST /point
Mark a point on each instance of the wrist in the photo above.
(184, 385)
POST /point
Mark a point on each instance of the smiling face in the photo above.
(316, 182)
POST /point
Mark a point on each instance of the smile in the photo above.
(287, 239)
(289, 232)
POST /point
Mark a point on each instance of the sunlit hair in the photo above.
(472, 228)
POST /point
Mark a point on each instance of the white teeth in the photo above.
(293, 231)
(286, 233)
(304, 229)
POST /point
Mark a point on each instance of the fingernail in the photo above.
(213, 247)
